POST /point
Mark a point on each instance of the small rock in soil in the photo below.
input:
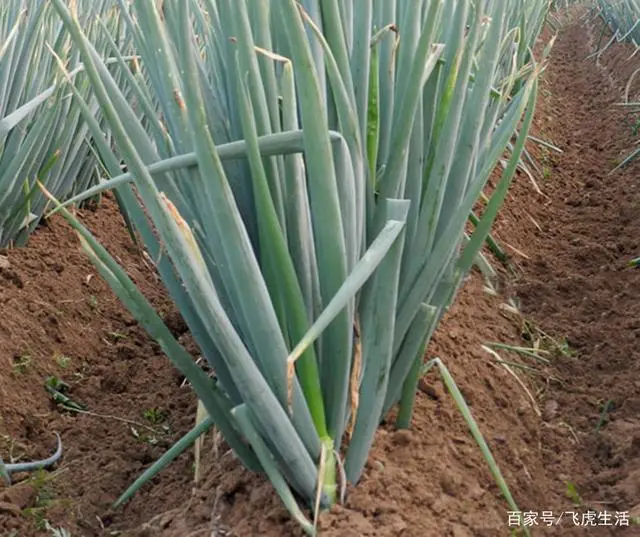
(22, 495)
(403, 437)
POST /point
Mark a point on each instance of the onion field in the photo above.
(319, 267)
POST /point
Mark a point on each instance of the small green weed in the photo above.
(41, 480)
(58, 390)
(565, 349)
(38, 516)
(633, 122)
(572, 494)
(605, 408)
(154, 415)
(21, 363)
(117, 336)
(62, 360)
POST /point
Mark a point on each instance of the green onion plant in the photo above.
(622, 18)
(302, 174)
(42, 133)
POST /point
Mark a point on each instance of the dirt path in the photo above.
(576, 283)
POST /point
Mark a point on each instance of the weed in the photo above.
(572, 494)
(546, 172)
(633, 122)
(38, 516)
(62, 360)
(541, 340)
(565, 349)
(21, 363)
(117, 336)
(605, 408)
(58, 390)
(40, 480)
(45, 496)
(154, 415)
(93, 302)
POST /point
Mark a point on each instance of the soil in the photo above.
(544, 422)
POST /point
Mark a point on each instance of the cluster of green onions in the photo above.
(622, 18)
(42, 132)
(302, 173)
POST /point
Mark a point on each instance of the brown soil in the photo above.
(569, 249)
(58, 318)
(576, 282)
